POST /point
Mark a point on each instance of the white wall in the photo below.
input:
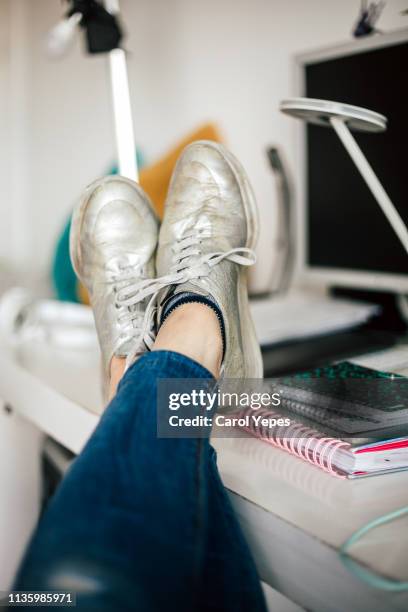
(189, 61)
(4, 123)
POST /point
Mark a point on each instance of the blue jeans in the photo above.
(140, 522)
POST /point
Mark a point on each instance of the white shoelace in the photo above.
(126, 285)
(188, 263)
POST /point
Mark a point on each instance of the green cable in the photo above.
(358, 570)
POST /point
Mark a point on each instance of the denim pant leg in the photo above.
(229, 575)
(138, 519)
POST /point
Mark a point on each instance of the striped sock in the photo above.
(188, 297)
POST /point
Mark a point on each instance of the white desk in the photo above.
(295, 517)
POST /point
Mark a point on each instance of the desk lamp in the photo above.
(100, 21)
(343, 118)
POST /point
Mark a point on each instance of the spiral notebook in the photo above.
(347, 420)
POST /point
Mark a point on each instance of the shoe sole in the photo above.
(253, 363)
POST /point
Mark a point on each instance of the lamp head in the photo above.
(61, 37)
(319, 112)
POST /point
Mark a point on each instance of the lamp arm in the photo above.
(371, 179)
(122, 110)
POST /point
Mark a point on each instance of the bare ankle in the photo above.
(117, 369)
(193, 330)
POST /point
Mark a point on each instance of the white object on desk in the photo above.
(57, 339)
(303, 314)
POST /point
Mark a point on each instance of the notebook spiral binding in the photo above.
(317, 450)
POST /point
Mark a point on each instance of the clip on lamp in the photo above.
(103, 36)
(343, 118)
(122, 110)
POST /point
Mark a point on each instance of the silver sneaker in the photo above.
(112, 243)
(206, 242)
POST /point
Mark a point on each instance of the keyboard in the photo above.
(302, 314)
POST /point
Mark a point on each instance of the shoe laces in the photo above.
(131, 288)
(188, 263)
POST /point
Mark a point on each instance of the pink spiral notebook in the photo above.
(349, 430)
(334, 455)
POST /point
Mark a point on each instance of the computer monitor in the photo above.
(344, 237)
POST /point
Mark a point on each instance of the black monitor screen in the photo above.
(346, 227)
